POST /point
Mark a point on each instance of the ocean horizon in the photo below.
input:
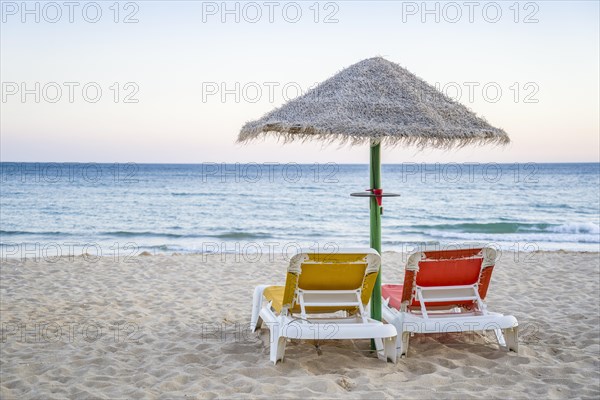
(65, 209)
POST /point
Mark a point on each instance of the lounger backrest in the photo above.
(449, 272)
(466, 266)
(343, 270)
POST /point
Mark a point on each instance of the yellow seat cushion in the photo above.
(275, 295)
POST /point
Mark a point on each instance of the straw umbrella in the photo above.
(375, 102)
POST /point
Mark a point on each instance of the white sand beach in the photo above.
(176, 327)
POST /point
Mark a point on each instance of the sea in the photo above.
(72, 209)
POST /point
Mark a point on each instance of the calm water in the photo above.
(130, 208)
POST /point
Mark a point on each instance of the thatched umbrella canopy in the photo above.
(372, 102)
(378, 101)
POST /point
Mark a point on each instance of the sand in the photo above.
(176, 327)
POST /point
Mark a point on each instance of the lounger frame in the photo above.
(409, 321)
(285, 325)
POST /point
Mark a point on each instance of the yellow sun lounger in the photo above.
(325, 297)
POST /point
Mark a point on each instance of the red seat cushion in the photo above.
(438, 271)
(394, 293)
(460, 271)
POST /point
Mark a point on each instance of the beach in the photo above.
(176, 326)
(160, 161)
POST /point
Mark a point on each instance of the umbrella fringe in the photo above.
(421, 141)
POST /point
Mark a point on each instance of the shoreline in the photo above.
(271, 256)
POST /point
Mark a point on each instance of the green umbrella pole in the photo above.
(375, 213)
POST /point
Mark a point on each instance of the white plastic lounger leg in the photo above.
(403, 340)
(500, 337)
(256, 321)
(396, 318)
(277, 346)
(378, 345)
(390, 351)
(386, 348)
(512, 339)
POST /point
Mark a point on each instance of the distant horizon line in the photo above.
(292, 162)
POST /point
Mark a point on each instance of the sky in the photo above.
(173, 82)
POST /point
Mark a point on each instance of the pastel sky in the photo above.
(200, 70)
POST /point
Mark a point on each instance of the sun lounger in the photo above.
(444, 291)
(325, 297)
